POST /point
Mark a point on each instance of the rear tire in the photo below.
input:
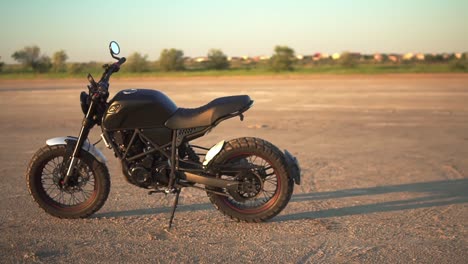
(256, 205)
(86, 194)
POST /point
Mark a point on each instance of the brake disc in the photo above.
(250, 187)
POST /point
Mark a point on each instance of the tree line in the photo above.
(283, 59)
(172, 59)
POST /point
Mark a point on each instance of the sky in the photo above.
(238, 27)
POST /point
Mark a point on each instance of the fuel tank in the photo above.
(138, 108)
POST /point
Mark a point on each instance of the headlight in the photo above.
(84, 101)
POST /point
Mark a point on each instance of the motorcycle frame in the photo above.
(192, 175)
(206, 173)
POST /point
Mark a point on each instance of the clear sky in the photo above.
(239, 27)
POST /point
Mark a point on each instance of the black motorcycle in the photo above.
(247, 179)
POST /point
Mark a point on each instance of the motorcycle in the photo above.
(247, 179)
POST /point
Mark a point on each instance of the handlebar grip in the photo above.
(122, 60)
(110, 69)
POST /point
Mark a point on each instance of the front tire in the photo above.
(87, 191)
(269, 189)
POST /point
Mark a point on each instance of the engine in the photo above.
(149, 171)
(141, 175)
(152, 170)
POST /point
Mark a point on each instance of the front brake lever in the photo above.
(91, 80)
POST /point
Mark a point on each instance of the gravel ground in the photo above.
(384, 167)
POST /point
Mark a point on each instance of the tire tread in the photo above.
(269, 150)
(99, 170)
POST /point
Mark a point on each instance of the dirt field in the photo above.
(384, 167)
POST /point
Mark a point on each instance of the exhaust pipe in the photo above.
(212, 182)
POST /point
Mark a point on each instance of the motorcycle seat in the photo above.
(209, 114)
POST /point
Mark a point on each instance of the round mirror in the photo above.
(114, 47)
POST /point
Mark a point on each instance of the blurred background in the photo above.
(383, 153)
(62, 38)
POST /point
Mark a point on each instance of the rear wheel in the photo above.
(265, 187)
(86, 192)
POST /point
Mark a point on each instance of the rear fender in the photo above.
(87, 146)
(293, 167)
(213, 152)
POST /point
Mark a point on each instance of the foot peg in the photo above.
(156, 191)
(165, 191)
(171, 190)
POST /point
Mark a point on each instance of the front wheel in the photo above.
(85, 193)
(265, 187)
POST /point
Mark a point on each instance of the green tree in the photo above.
(58, 61)
(1, 65)
(171, 60)
(347, 60)
(217, 60)
(27, 56)
(76, 68)
(30, 57)
(137, 63)
(458, 65)
(43, 65)
(283, 59)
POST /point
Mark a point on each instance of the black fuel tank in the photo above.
(138, 108)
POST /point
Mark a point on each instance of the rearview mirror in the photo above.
(114, 48)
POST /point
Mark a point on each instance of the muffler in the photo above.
(209, 181)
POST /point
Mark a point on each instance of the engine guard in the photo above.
(293, 167)
(87, 146)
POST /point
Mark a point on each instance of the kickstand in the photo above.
(174, 206)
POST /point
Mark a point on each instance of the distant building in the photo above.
(316, 57)
(308, 58)
(356, 55)
(313, 56)
(394, 58)
(201, 59)
(233, 59)
(378, 57)
(260, 58)
(420, 56)
(408, 56)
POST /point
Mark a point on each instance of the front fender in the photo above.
(87, 146)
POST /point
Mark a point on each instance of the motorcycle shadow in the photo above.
(153, 211)
(438, 193)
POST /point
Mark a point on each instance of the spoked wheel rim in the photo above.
(270, 190)
(82, 189)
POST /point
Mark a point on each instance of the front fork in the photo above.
(87, 124)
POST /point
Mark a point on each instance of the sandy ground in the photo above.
(384, 167)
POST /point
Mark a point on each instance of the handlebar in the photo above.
(115, 67)
(100, 89)
(122, 61)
